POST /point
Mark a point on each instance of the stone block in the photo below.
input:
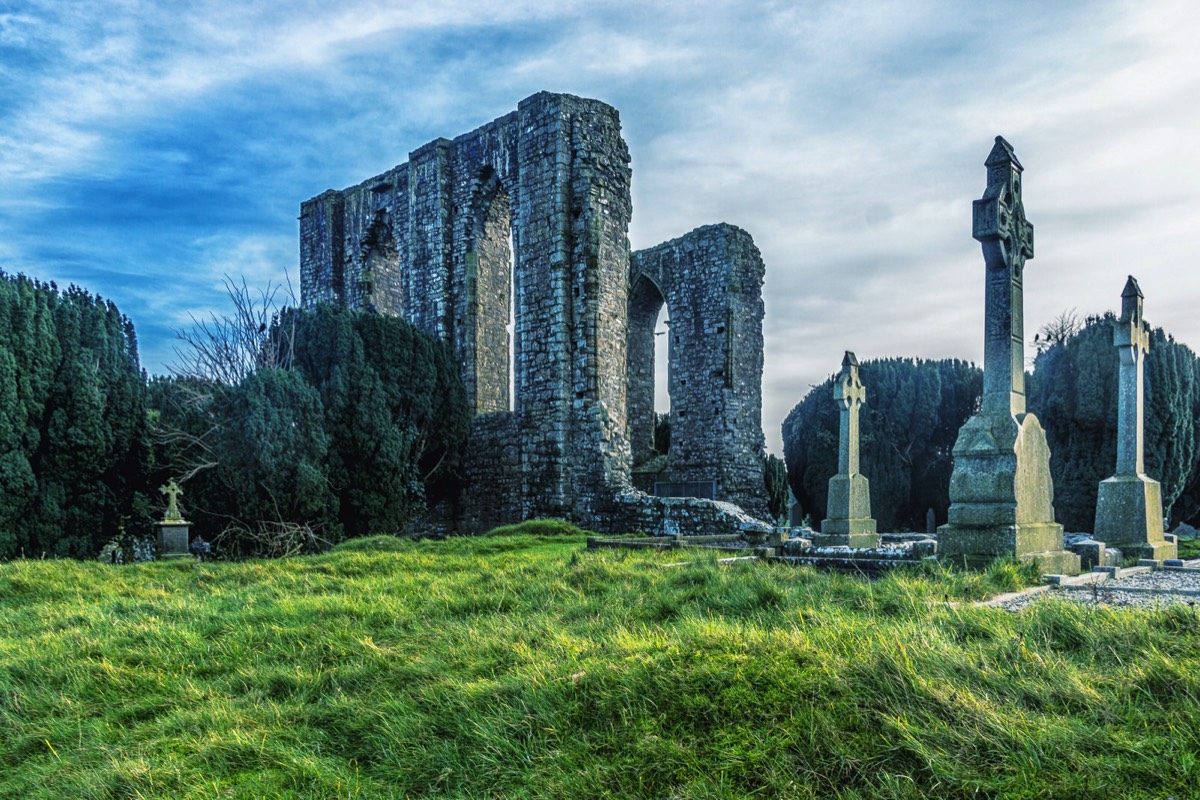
(999, 540)
(794, 547)
(856, 540)
(925, 548)
(172, 540)
(1090, 552)
(1129, 516)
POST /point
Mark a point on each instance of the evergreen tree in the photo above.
(373, 463)
(73, 420)
(384, 429)
(775, 479)
(426, 397)
(1074, 392)
(907, 432)
(274, 448)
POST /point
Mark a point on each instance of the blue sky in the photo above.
(148, 149)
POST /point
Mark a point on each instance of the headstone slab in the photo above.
(1129, 504)
(849, 505)
(1001, 493)
(795, 515)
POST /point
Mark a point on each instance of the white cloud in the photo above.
(846, 137)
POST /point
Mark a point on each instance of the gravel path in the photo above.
(1142, 590)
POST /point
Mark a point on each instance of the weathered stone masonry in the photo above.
(539, 201)
(711, 282)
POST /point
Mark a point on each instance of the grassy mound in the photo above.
(523, 666)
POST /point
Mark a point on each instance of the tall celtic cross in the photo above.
(849, 394)
(1132, 340)
(999, 225)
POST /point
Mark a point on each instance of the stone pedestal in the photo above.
(849, 508)
(1001, 497)
(1129, 516)
(172, 540)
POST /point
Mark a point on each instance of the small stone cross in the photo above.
(849, 393)
(172, 491)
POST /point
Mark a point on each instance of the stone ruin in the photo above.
(523, 222)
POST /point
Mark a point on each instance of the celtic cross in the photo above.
(849, 394)
(999, 225)
(172, 491)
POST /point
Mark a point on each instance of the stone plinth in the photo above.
(172, 540)
(851, 525)
(1001, 496)
(1129, 516)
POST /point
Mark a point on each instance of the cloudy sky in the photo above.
(146, 150)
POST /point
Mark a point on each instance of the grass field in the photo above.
(523, 666)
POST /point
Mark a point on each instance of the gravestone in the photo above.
(1129, 504)
(795, 514)
(849, 506)
(171, 540)
(1001, 493)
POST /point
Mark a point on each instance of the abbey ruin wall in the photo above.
(533, 209)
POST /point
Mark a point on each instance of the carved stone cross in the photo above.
(999, 225)
(849, 522)
(172, 491)
(849, 394)
(1132, 340)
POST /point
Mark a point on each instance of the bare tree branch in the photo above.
(1057, 330)
(259, 334)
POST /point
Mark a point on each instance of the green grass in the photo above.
(523, 666)
(1189, 548)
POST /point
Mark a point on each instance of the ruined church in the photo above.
(511, 244)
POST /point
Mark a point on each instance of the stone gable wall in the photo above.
(711, 280)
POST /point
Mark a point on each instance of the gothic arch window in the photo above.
(380, 268)
(491, 295)
(647, 346)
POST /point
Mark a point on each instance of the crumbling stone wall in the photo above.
(711, 282)
(532, 208)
